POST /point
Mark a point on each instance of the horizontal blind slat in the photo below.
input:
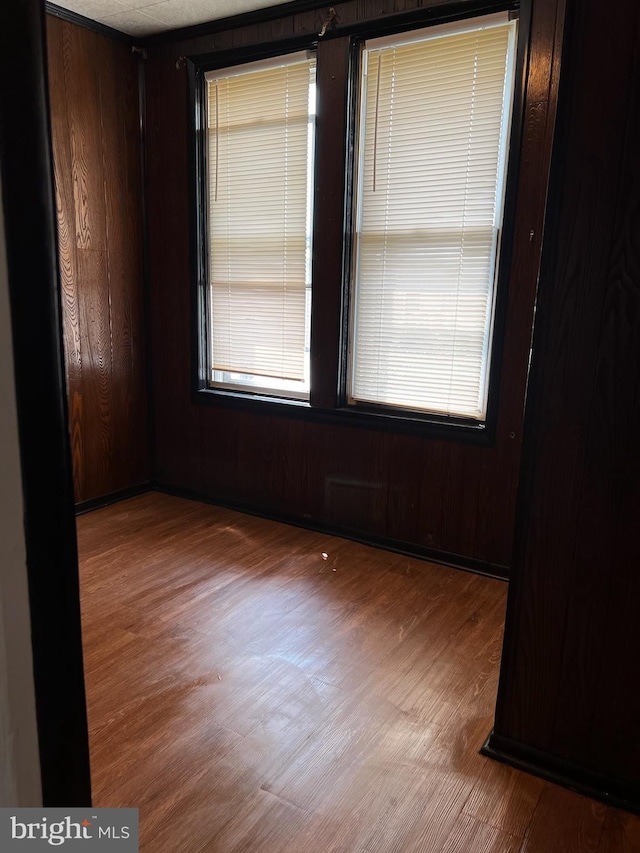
(433, 121)
(258, 161)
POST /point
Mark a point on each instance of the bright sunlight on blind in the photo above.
(260, 152)
(434, 135)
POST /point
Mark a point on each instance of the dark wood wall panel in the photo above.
(570, 685)
(96, 146)
(441, 495)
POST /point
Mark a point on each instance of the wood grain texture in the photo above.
(96, 147)
(447, 496)
(247, 694)
(505, 798)
(167, 208)
(328, 229)
(570, 685)
(469, 834)
(565, 822)
(50, 666)
(500, 464)
(619, 833)
(67, 259)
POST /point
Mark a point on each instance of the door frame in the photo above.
(45, 455)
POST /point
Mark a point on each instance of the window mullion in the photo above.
(328, 242)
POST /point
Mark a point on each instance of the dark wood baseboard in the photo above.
(582, 780)
(112, 498)
(455, 561)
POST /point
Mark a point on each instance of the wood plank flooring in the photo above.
(257, 688)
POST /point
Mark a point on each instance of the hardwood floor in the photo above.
(260, 688)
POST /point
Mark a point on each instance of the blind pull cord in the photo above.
(375, 126)
(215, 190)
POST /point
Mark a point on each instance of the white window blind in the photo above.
(435, 115)
(260, 152)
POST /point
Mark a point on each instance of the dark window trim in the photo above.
(233, 56)
(243, 19)
(422, 17)
(386, 419)
(197, 66)
(361, 415)
(353, 104)
(505, 259)
(412, 18)
(506, 243)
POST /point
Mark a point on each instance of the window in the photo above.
(424, 197)
(434, 119)
(259, 174)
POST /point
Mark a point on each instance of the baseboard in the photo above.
(455, 561)
(582, 780)
(112, 498)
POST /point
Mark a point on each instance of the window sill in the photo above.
(437, 428)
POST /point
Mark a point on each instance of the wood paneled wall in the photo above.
(93, 84)
(441, 495)
(570, 685)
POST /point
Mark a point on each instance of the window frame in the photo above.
(350, 275)
(264, 64)
(197, 67)
(340, 410)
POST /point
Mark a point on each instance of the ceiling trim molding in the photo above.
(89, 24)
(244, 19)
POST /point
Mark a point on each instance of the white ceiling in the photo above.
(146, 17)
